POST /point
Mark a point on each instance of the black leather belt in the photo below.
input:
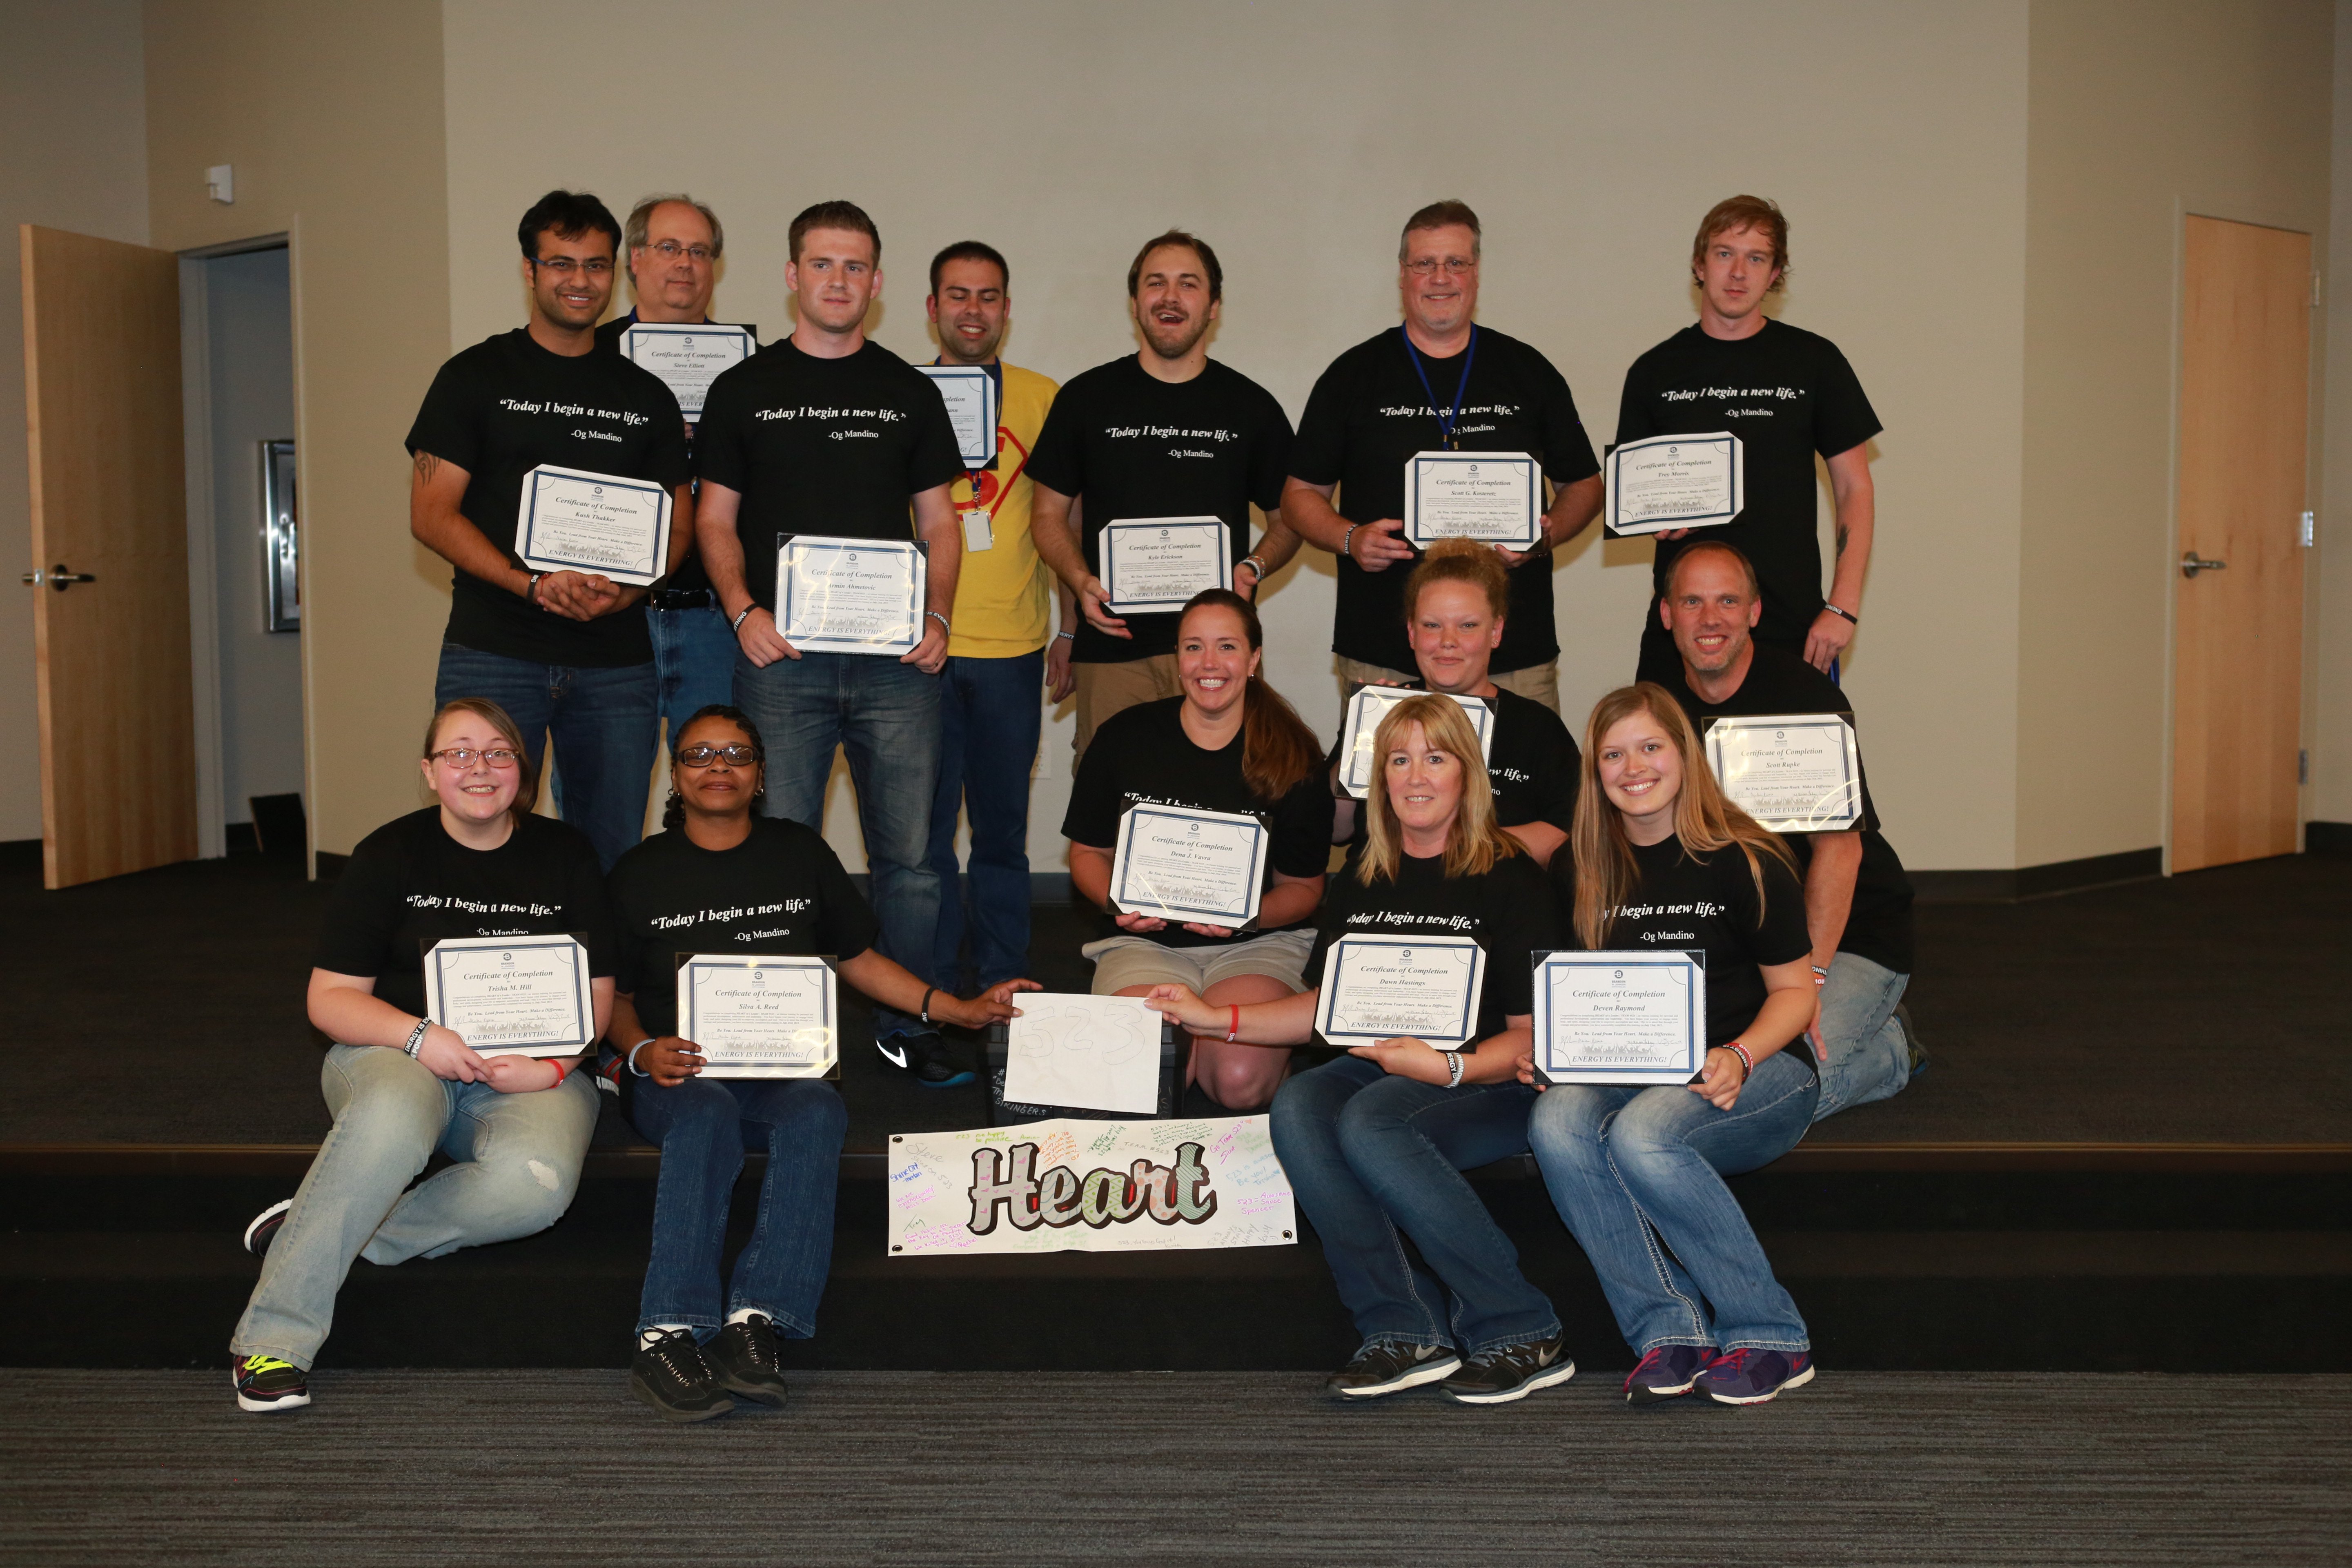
(681, 599)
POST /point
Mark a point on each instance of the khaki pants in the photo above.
(1537, 683)
(1107, 689)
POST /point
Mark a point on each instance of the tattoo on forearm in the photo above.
(1842, 534)
(427, 465)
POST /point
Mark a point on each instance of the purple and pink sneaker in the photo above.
(1666, 1373)
(1753, 1376)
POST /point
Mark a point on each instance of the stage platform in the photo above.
(2133, 1149)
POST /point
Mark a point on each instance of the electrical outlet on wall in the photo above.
(220, 184)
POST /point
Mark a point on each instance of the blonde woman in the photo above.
(1660, 858)
(1375, 1141)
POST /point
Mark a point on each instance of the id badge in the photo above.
(978, 535)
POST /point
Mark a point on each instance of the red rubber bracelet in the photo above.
(561, 1072)
(1234, 1033)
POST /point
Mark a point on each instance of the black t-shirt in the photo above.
(1135, 446)
(831, 446)
(1508, 911)
(1533, 771)
(689, 576)
(1141, 755)
(781, 891)
(409, 885)
(1685, 904)
(1878, 926)
(502, 408)
(1787, 394)
(1368, 416)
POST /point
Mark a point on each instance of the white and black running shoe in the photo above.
(264, 1383)
(265, 1227)
(1390, 1368)
(1511, 1371)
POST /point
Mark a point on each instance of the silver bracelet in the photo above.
(1072, 635)
(1348, 538)
(416, 1039)
(1453, 1068)
(934, 615)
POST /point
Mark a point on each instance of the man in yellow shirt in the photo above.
(989, 700)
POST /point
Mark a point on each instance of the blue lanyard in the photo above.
(1452, 417)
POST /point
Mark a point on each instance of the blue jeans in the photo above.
(887, 716)
(518, 1158)
(989, 710)
(1370, 1155)
(704, 1126)
(694, 662)
(1869, 1055)
(605, 725)
(1634, 1171)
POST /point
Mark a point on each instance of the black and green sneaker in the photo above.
(744, 1360)
(265, 1383)
(671, 1375)
(1510, 1372)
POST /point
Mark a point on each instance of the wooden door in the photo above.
(110, 654)
(2238, 626)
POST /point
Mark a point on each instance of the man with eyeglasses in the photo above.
(566, 653)
(1439, 381)
(827, 432)
(672, 244)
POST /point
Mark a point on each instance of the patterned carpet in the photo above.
(516, 1467)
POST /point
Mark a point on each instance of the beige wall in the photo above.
(332, 120)
(73, 106)
(2329, 798)
(2141, 112)
(1302, 135)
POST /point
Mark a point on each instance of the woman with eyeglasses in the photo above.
(723, 878)
(400, 1086)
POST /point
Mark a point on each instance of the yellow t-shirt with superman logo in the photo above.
(1004, 595)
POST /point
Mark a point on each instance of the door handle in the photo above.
(2192, 563)
(57, 577)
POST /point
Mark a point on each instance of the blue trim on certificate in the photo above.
(743, 335)
(991, 408)
(1155, 606)
(784, 579)
(689, 1022)
(1524, 462)
(1694, 1045)
(1694, 520)
(581, 1014)
(1332, 970)
(1135, 816)
(1849, 752)
(531, 518)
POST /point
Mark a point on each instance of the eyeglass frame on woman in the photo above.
(711, 754)
(462, 757)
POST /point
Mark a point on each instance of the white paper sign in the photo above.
(1620, 1017)
(1793, 772)
(1495, 497)
(688, 356)
(1090, 1186)
(520, 995)
(1365, 710)
(760, 1016)
(1674, 481)
(1089, 1053)
(970, 393)
(572, 520)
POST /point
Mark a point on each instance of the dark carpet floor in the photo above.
(1175, 1469)
(2202, 1007)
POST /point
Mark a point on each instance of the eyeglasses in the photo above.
(462, 757)
(671, 250)
(1431, 266)
(737, 755)
(565, 265)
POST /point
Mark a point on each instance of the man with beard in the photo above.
(1439, 381)
(828, 433)
(989, 711)
(673, 245)
(1857, 899)
(562, 652)
(1165, 433)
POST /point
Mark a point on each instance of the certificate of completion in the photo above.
(1793, 772)
(757, 1016)
(970, 393)
(1179, 863)
(512, 996)
(1495, 497)
(1620, 1017)
(1674, 481)
(1152, 563)
(687, 358)
(850, 595)
(574, 520)
(1365, 710)
(1389, 987)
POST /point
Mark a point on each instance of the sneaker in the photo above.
(743, 1360)
(927, 1056)
(265, 1227)
(671, 1375)
(1390, 1368)
(1511, 1371)
(265, 1383)
(1754, 1376)
(1911, 1038)
(1666, 1373)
